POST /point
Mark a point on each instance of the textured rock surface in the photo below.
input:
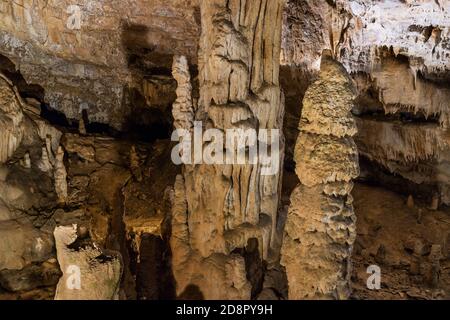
(418, 30)
(321, 224)
(398, 234)
(90, 93)
(11, 117)
(54, 179)
(99, 275)
(406, 41)
(380, 43)
(230, 204)
(86, 56)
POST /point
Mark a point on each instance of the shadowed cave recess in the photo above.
(93, 207)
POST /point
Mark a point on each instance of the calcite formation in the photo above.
(60, 176)
(389, 41)
(11, 117)
(87, 55)
(418, 30)
(321, 224)
(88, 274)
(182, 108)
(227, 205)
(397, 53)
(94, 203)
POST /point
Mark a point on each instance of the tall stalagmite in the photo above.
(218, 208)
(320, 227)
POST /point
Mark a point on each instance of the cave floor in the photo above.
(388, 230)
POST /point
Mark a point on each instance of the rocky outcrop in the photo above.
(321, 224)
(229, 204)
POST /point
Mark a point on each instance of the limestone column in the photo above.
(320, 228)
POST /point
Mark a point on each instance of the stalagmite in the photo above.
(320, 227)
(48, 146)
(60, 175)
(182, 109)
(434, 202)
(227, 205)
(419, 216)
(148, 124)
(434, 272)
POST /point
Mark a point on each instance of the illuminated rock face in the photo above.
(355, 30)
(418, 30)
(123, 74)
(91, 55)
(321, 224)
(11, 116)
(219, 208)
(87, 275)
(397, 53)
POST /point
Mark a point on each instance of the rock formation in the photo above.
(182, 108)
(60, 177)
(88, 274)
(321, 224)
(229, 204)
(92, 182)
(44, 164)
(11, 117)
(98, 65)
(379, 43)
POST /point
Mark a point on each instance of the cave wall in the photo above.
(148, 65)
(90, 55)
